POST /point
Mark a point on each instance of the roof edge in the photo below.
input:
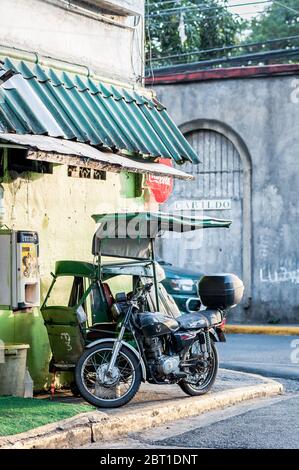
(69, 67)
(224, 74)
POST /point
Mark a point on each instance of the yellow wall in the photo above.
(59, 208)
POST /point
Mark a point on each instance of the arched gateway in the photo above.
(222, 188)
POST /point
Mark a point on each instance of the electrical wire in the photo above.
(207, 18)
(150, 48)
(170, 11)
(286, 6)
(192, 21)
(225, 48)
(179, 10)
(243, 60)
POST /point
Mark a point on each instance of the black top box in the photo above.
(220, 290)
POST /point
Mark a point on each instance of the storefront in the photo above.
(70, 146)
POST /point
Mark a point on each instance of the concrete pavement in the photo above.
(154, 406)
(266, 423)
(259, 424)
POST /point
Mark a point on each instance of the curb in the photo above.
(95, 426)
(262, 330)
(276, 372)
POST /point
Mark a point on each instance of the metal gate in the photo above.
(217, 191)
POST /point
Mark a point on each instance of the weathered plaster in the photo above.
(45, 28)
(264, 114)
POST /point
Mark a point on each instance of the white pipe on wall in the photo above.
(2, 206)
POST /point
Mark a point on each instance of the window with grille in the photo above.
(87, 173)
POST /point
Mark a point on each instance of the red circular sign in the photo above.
(161, 186)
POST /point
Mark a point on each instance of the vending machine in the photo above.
(19, 269)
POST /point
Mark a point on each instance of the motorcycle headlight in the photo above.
(183, 285)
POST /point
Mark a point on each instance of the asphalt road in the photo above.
(273, 356)
(265, 423)
(261, 424)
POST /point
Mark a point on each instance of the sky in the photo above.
(247, 11)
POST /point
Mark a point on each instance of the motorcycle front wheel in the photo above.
(108, 390)
(204, 378)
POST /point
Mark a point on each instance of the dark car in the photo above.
(181, 283)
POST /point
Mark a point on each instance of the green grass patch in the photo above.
(22, 414)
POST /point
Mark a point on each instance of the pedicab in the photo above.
(120, 327)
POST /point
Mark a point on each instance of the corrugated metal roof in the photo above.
(45, 101)
(63, 151)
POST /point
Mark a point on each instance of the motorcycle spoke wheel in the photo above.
(104, 389)
(200, 382)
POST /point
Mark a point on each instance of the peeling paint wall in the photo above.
(113, 51)
(59, 208)
(261, 116)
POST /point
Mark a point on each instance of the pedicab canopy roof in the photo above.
(129, 234)
(53, 112)
(90, 270)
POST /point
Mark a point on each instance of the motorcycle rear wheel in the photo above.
(90, 376)
(208, 381)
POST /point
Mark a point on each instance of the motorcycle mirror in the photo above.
(148, 286)
(193, 304)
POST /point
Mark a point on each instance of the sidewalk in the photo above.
(153, 406)
(284, 330)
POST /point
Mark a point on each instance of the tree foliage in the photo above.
(277, 21)
(189, 26)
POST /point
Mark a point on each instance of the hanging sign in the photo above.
(160, 186)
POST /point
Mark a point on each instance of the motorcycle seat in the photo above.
(204, 319)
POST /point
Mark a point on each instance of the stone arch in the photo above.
(239, 144)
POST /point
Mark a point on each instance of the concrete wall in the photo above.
(261, 117)
(59, 208)
(49, 28)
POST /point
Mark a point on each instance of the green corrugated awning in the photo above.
(129, 234)
(149, 224)
(45, 101)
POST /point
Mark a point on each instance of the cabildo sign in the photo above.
(203, 204)
(160, 186)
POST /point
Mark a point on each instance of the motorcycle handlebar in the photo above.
(146, 288)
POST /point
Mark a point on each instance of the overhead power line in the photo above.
(225, 48)
(245, 59)
(179, 10)
(286, 6)
(197, 19)
(155, 4)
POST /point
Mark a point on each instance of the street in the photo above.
(264, 423)
(268, 355)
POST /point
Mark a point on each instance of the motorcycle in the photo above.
(110, 344)
(167, 350)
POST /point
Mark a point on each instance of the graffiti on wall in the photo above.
(279, 275)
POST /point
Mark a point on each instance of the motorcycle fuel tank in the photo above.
(157, 324)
